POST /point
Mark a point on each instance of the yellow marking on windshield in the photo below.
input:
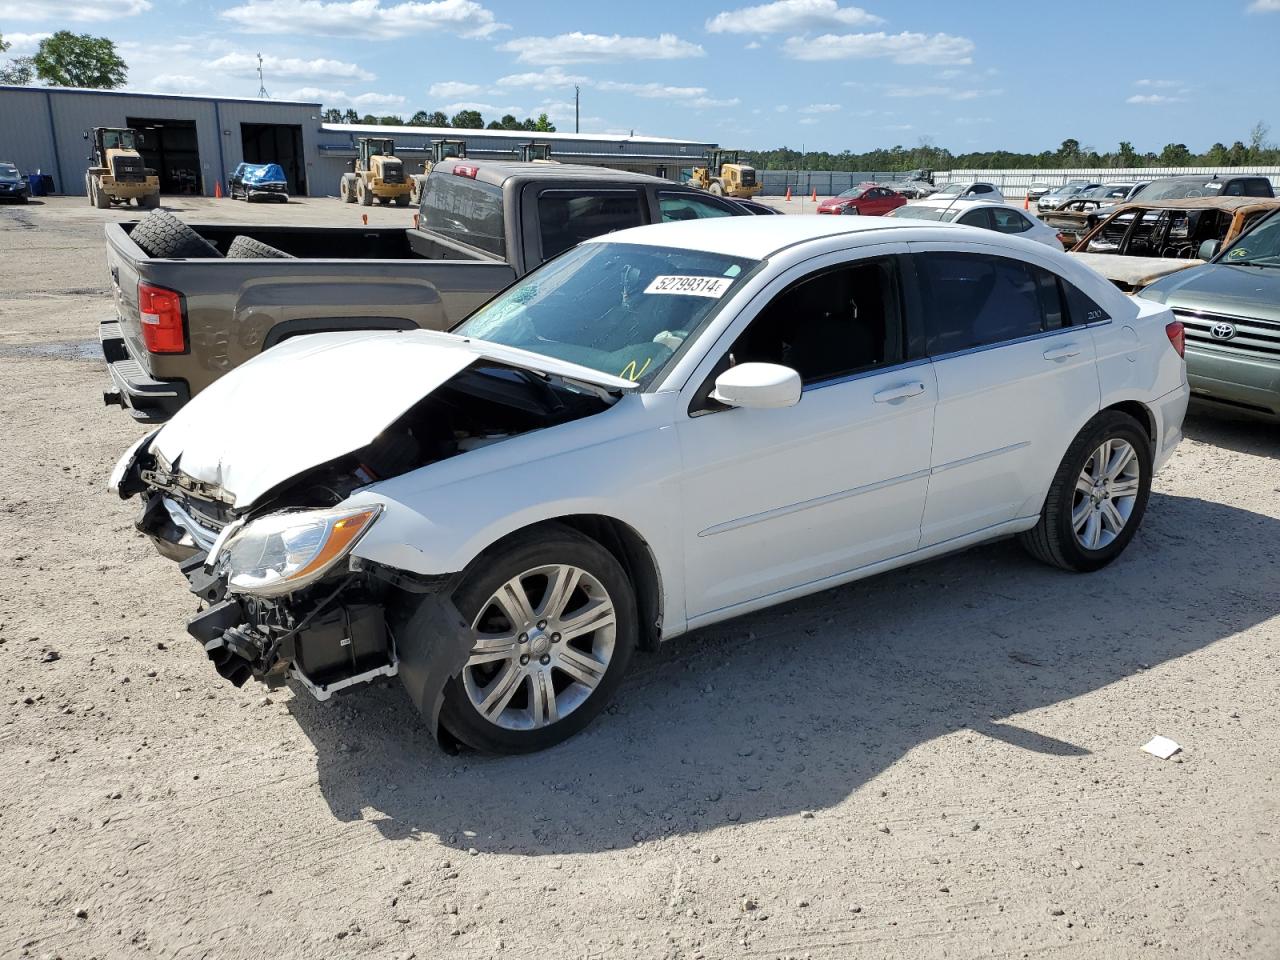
(630, 372)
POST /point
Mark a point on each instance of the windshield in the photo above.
(1259, 247)
(852, 193)
(952, 190)
(8, 170)
(623, 309)
(117, 140)
(1180, 189)
(914, 212)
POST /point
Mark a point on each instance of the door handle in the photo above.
(1063, 353)
(901, 392)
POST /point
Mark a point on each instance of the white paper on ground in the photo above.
(1161, 747)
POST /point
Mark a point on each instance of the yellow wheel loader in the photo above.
(116, 171)
(534, 152)
(441, 150)
(724, 174)
(378, 175)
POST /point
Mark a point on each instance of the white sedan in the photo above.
(663, 428)
(984, 214)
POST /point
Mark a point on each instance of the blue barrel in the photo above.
(36, 183)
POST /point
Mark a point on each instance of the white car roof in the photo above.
(960, 203)
(758, 238)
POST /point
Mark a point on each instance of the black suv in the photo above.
(1204, 185)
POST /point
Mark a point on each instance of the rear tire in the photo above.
(547, 685)
(347, 189)
(402, 200)
(243, 247)
(715, 189)
(1097, 498)
(161, 234)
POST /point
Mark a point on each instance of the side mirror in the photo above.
(1209, 249)
(760, 386)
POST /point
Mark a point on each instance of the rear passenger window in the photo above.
(1010, 221)
(834, 323)
(974, 300)
(1258, 188)
(567, 217)
(1081, 308)
(977, 218)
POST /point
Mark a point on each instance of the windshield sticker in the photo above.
(1238, 252)
(714, 287)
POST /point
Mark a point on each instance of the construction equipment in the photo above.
(724, 174)
(536, 153)
(441, 150)
(117, 173)
(379, 174)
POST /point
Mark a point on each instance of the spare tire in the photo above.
(161, 234)
(243, 246)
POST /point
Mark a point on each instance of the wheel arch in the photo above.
(628, 547)
(1140, 412)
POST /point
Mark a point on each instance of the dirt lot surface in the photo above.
(941, 762)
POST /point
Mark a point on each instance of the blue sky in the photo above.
(977, 75)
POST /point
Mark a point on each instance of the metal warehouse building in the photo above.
(192, 141)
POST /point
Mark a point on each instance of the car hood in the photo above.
(314, 398)
(1221, 288)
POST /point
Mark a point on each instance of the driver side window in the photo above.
(837, 322)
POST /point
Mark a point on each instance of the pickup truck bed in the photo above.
(483, 225)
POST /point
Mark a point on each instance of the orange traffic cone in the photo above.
(365, 217)
(814, 198)
(788, 194)
(1026, 202)
(217, 189)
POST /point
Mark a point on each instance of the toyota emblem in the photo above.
(1222, 331)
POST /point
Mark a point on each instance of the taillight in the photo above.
(1177, 336)
(465, 170)
(162, 328)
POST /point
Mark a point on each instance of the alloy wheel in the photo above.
(1105, 494)
(542, 643)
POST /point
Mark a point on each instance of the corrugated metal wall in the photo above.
(43, 129)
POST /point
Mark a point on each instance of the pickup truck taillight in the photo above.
(465, 170)
(163, 329)
(1177, 336)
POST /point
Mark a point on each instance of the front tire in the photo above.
(1097, 498)
(554, 624)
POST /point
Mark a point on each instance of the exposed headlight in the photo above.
(285, 552)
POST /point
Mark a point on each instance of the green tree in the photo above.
(1174, 155)
(437, 119)
(467, 120)
(1217, 155)
(19, 71)
(369, 120)
(544, 124)
(1238, 155)
(332, 115)
(1126, 156)
(1258, 137)
(420, 119)
(69, 59)
(391, 120)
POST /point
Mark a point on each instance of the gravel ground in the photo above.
(940, 762)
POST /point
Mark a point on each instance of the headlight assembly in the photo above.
(284, 552)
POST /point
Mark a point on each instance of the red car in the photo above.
(866, 199)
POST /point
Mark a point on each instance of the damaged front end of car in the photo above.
(282, 594)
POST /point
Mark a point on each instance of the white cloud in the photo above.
(794, 16)
(177, 83)
(79, 12)
(652, 91)
(340, 98)
(908, 48)
(753, 45)
(1158, 83)
(821, 108)
(809, 121)
(710, 103)
(1152, 99)
(23, 44)
(488, 109)
(289, 68)
(939, 92)
(970, 121)
(542, 79)
(595, 48)
(368, 19)
(1265, 6)
(449, 89)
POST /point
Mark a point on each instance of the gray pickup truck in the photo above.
(192, 302)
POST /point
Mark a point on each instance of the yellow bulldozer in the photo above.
(724, 174)
(117, 173)
(378, 174)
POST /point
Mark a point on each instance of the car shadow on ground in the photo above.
(795, 708)
(1234, 431)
